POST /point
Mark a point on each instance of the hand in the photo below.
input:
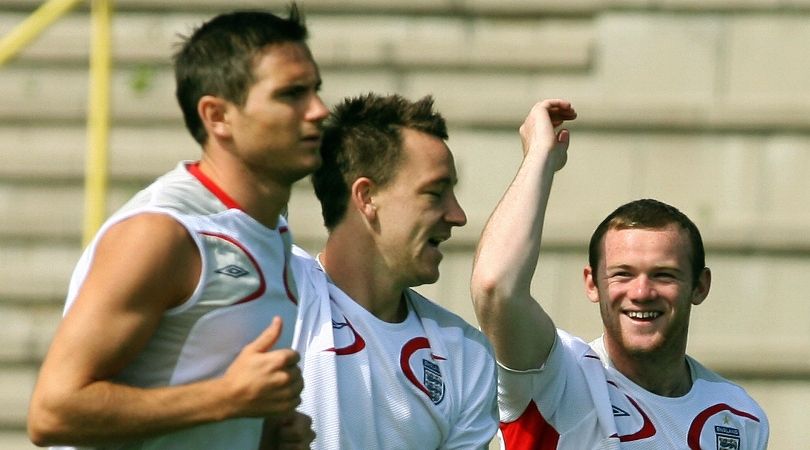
(291, 433)
(264, 383)
(538, 131)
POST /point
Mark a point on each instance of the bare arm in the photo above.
(142, 267)
(520, 330)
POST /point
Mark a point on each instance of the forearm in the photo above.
(520, 330)
(508, 250)
(103, 412)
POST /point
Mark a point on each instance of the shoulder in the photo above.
(177, 190)
(714, 385)
(157, 228)
(146, 255)
(453, 328)
(302, 263)
(151, 238)
(302, 255)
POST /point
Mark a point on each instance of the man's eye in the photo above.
(293, 93)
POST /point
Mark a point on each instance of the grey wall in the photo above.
(701, 103)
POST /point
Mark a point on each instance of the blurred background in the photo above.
(704, 104)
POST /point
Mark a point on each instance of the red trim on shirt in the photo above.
(194, 169)
(530, 431)
(286, 271)
(700, 421)
(409, 349)
(647, 429)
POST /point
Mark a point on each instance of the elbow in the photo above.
(46, 426)
(40, 431)
(488, 291)
(483, 288)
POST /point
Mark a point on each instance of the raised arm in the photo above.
(520, 330)
(142, 267)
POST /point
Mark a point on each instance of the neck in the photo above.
(361, 277)
(661, 375)
(260, 197)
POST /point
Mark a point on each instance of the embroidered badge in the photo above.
(433, 381)
(727, 438)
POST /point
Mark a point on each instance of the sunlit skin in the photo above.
(390, 239)
(417, 210)
(253, 153)
(645, 292)
(274, 138)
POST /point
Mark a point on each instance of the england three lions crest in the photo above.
(433, 381)
(722, 427)
(417, 358)
(727, 438)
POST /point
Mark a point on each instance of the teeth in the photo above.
(642, 314)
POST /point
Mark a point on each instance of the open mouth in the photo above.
(643, 315)
(435, 241)
(313, 138)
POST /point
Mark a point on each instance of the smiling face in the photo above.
(417, 210)
(277, 130)
(644, 287)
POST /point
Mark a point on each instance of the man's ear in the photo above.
(591, 290)
(361, 198)
(213, 112)
(701, 290)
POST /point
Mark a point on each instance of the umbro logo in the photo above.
(618, 412)
(232, 270)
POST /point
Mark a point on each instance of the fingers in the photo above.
(296, 432)
(263, 381)
(292, 432)
(268, 338)
(559, 110)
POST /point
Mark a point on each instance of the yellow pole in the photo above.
(98, 120)
(31, 27)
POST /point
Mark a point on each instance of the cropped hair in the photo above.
(363, 138)
(219, 57)
(653, 215)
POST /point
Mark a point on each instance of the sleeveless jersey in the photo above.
(428, 382)
(244, 283)
(577, 401)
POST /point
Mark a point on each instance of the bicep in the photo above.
(520, 331)
(141, 267)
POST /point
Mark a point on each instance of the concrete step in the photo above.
(15, 439)
(339, 40)
(461, 7)
(16, 384)
(757, 183)
(398, 6)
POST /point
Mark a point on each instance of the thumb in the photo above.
(268, 338)
(564, 137)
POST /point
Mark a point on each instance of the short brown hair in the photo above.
(363, 138)
(218, 58)
(649, 214)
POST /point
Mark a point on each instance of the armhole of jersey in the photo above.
(195, 296)
(86, 260)
(551, 353)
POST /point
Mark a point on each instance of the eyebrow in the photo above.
(445, 181)
(629, 266)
